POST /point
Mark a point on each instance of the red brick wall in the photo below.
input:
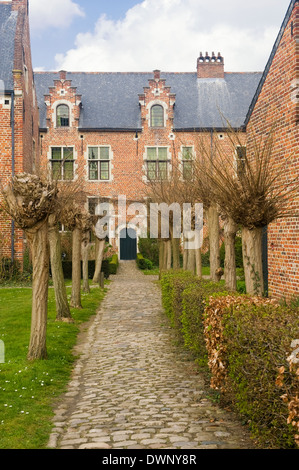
(128, 176)
(26, 125)
(277, 104)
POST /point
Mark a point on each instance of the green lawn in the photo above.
(28, 390)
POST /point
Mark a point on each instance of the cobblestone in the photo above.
(133, 387)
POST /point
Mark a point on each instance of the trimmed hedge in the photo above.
(113, 264)
(149, 249)
(258, 341)
(245, 343)
(173, 285)
(143, 263)
(109, 266)
(194, 300)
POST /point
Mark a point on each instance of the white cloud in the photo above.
(169, 34)
(53, 14)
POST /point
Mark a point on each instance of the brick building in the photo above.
(113, 131)
(116, 130)
(277, 102)
(19, 118)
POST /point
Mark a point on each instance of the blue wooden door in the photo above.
(128, 244)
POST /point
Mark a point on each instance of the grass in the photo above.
(28, 390)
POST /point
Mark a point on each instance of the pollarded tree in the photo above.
(211, 151)
(100, 239)
(176, 191)
(249, 190)
(87, 225)
(73, 218)
(69, 191)
(63, 312)
(30, 201)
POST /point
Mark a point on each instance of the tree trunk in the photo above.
(76, 269)
(38, 240)
(161, 256)
(191, 264)
(176, 253)
(230, 275)
(253, 261)
(198, 265)
(185, 254)
(63, 312)
(198, 262)
(100, 247)
(169, 255)
(213, 226)
(85, 257)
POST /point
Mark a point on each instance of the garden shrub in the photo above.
(113, 264)
(173, 285)
(249, 346)
(248, 340)
(194, 299)
(143, 263)
(9, 269)
(184, 296)
(149, 249)
(106, 268)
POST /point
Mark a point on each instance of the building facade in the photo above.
(19, 117)
(115, 131)
(276, 102)
(112, 132)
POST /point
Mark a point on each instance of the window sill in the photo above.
(100, 181)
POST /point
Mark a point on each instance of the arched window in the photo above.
(63, 116)
(157, 116)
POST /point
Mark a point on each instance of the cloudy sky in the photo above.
(132, 35)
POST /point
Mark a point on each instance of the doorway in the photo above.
(128, 244)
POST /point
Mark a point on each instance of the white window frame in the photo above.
(149, 109)
(99, 180)
(181, 157)
(62, 167)
(54, 108)
(167, 161)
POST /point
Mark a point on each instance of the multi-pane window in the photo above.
(187, 162)
(240, 159)
(62, 163)
(157, 116)
(99, 163)
(157, 163)
(62, 116)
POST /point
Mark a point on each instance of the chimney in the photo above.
(18, 4)
(62, 75)
(210, 66)
(157, 74)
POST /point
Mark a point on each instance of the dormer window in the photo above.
(157, 116)
(63, 115)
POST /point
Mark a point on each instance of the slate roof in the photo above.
(110, 100)
(270, 60)
(8, 22)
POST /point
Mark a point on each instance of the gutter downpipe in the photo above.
(12, 118)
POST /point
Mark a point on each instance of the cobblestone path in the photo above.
(133, 387)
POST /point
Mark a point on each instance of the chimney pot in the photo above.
(62, 75)
(17, 4)
(210, 67)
